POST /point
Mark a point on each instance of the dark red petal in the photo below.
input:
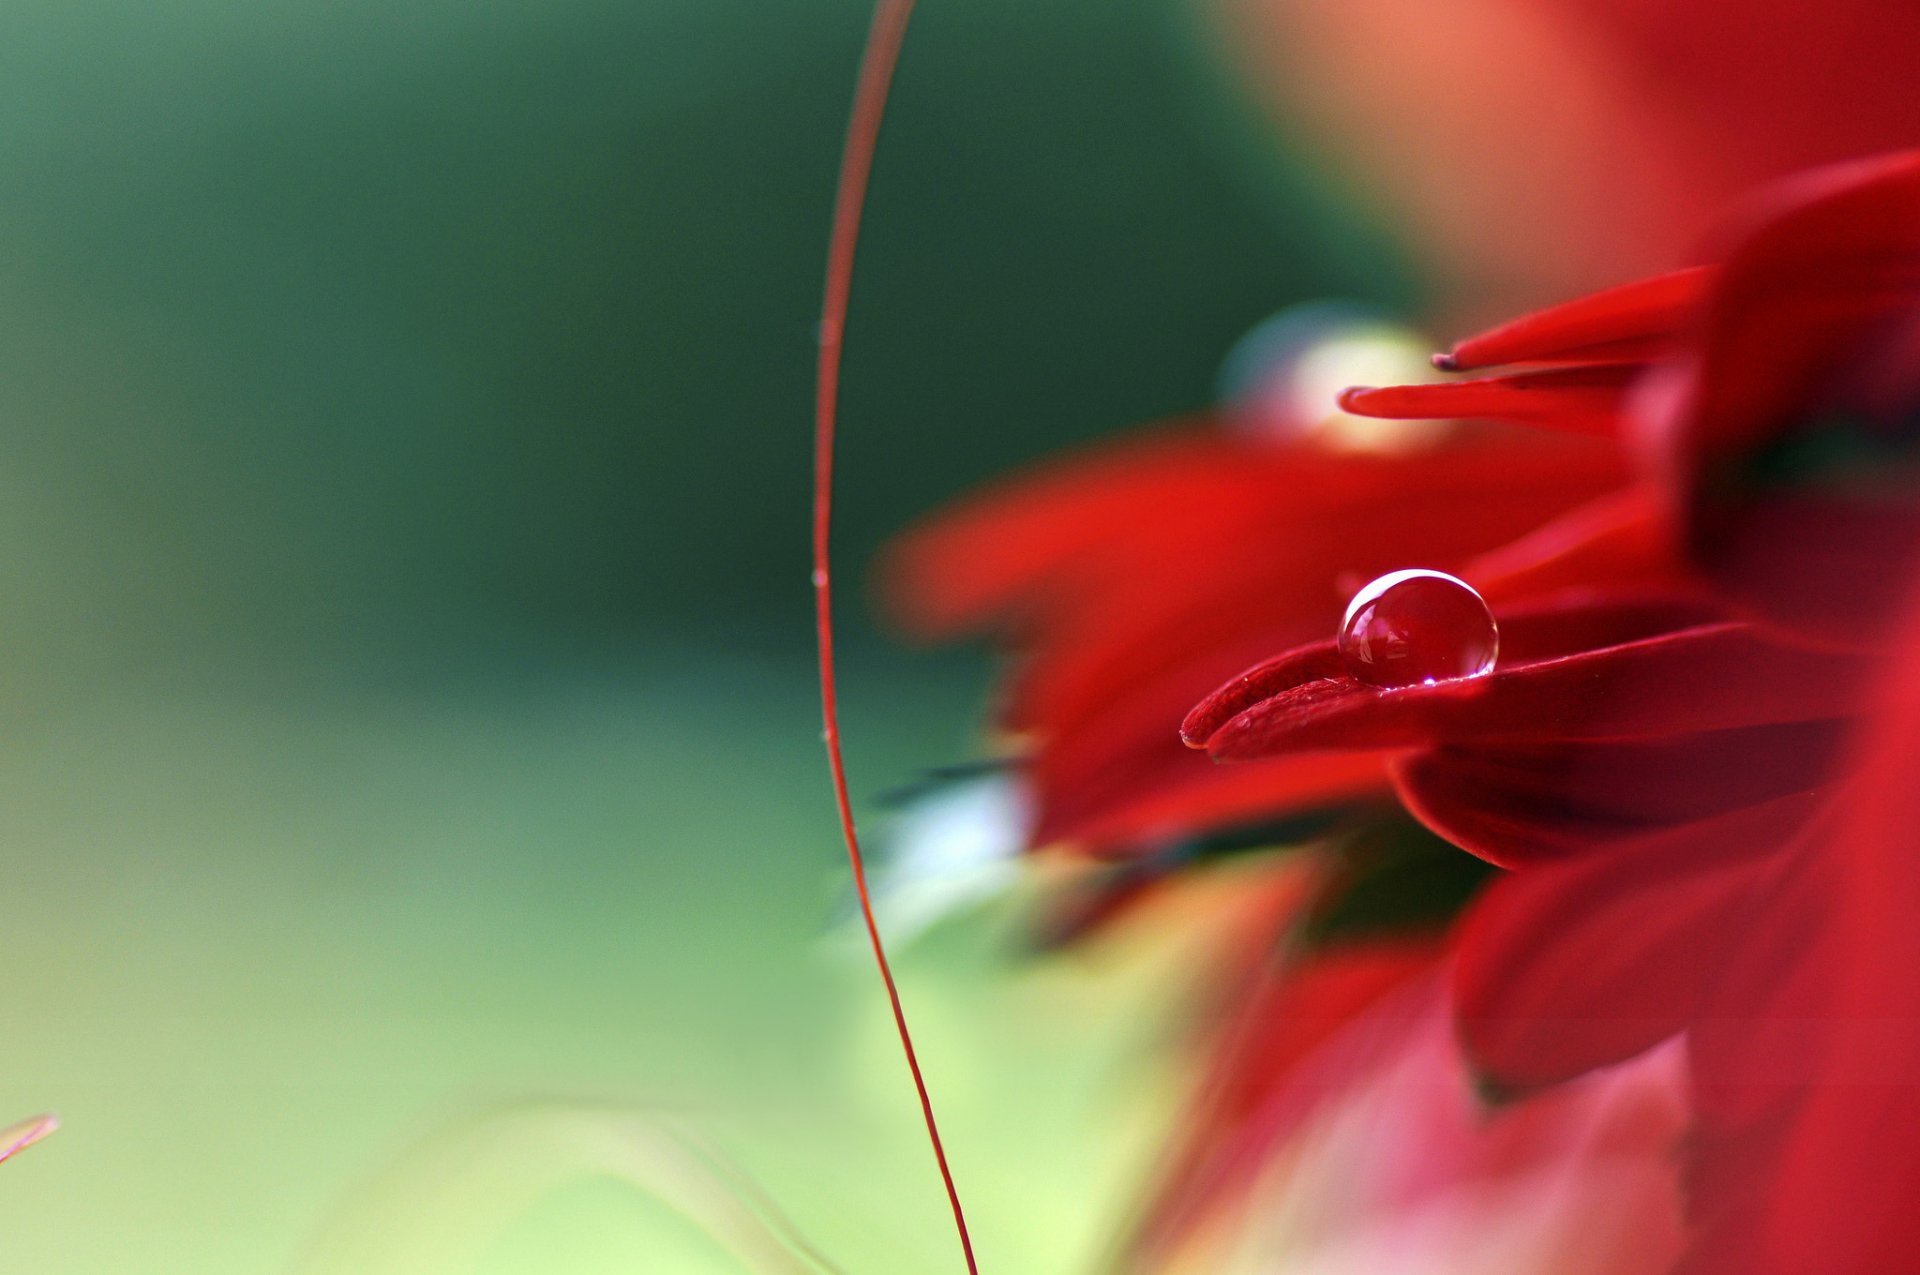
(1789, 441)
(1523, 804)
(1706, 677)
(1645, 312)
(1576, 965)
(1728, 1227)
(1816, 563)
(1291, 672)
(1584, 399)
(1545, 629)
(1835, 255)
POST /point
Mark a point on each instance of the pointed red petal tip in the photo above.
(1447, 361)
(1354, 394)
(1580, 398)
(1631, 319)
(1314, 665)
(16, 1138)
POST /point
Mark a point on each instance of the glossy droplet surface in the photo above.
(1418, 627)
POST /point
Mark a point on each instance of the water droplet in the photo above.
(1415, 628)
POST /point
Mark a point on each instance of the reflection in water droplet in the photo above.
(1412, 628)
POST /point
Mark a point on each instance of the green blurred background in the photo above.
(403, 614)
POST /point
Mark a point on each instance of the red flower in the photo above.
(1136, 577)
(1682, 783)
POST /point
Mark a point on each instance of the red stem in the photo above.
(863, 131)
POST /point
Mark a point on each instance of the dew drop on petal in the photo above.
(1418, 627)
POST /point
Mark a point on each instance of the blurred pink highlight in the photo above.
(1405, 1171)
(16, 1138)
(1531, 150)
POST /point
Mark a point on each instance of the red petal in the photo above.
(1840, 1195)
(999, 551)
(1826, 565)
(1584, 399)
(1751, 1052)
(1295, 672)
(1638, 315)
(1570, 623)
(1580, 964)
(1518, 805)
(1618, 541)
(1709, 677)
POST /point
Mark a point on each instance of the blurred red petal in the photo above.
(1839, 1195)
(1619, 541)
(1788, 440)
(998, 551)
(1755, 1047)
(1833, 256)
(1575, 965)
(1641, 117)
(1426, 113)
(1522, 804)
(1829, 567)
(1639, 317)
(1280, 1057)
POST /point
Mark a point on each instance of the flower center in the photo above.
(1415, 628)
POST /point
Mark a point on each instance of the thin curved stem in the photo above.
(882, 54)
